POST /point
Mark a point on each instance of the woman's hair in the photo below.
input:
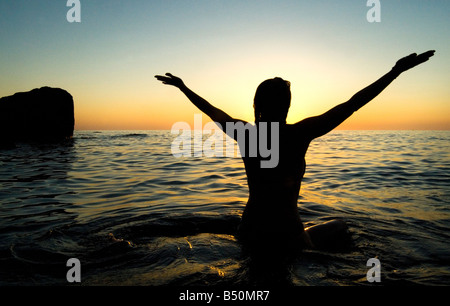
(272, 100)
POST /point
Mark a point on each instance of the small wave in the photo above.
(180, 225)
(83, 137)
(131, 135)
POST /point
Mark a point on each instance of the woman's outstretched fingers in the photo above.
(170, 79)
(425, 56)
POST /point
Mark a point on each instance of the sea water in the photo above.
(133, 214)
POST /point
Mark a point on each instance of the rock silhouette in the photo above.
(40, 115)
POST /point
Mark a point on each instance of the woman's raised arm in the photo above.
(216, 114)
(321, 125)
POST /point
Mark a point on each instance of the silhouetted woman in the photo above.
(271, 213)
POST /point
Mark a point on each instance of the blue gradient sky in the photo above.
(223, 49)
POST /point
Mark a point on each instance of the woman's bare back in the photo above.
(273, 192)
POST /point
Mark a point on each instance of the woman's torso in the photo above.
(273, 192)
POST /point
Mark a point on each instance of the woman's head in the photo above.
(272, 100)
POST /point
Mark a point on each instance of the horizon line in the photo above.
(125, 129)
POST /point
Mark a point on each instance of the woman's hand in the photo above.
(411, 61)
(170, 79)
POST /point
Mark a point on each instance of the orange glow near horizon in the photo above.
(149, 117)
(162, 106)
(146, 118)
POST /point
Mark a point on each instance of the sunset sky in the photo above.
(223, 49)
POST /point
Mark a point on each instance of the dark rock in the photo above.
(40, 115)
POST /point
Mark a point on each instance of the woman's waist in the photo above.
(262, 227)
(261, 215)
(281, 181)
(273, 197)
